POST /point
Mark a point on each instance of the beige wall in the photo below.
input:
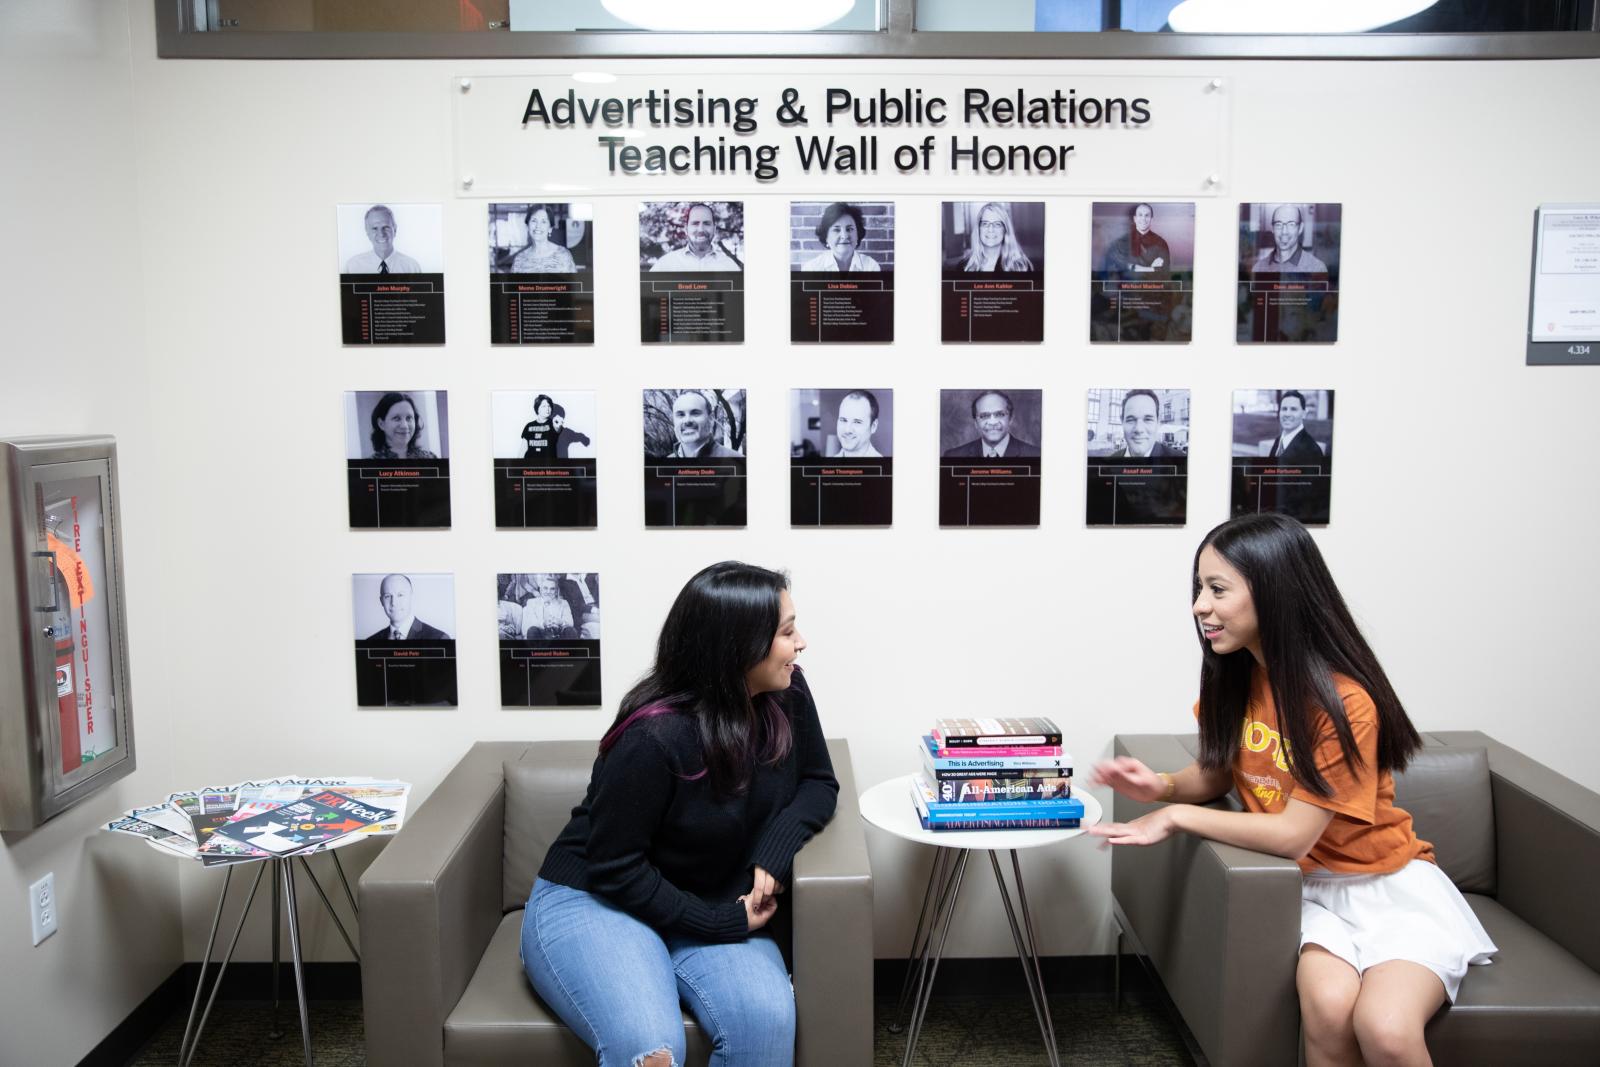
(74, 361)
(1464, 550)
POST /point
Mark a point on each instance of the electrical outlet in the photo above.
(42, 906)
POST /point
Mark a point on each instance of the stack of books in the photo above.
(293, 815)
(995, 774)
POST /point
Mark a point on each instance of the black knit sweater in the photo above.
(665, 848)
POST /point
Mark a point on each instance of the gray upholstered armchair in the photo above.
(1220, 925)
(441, 911)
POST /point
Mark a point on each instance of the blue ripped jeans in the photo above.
(617, 984)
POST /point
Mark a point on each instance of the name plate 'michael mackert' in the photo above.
(390, 296)
(691, 272)
(694, 463)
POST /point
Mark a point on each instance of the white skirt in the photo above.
(1415, 914)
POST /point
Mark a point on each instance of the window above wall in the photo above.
(898, 29)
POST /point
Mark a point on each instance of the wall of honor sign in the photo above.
(1146, 135)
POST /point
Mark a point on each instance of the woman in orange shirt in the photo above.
(1385, 937)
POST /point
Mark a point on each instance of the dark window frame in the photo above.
(179, 35)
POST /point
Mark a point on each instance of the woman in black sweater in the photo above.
(661, 887)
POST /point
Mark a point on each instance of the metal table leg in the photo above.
(200, 983)
(1027, 956)
(222, 969)
(287, 870)
(349, 944)
(275, 1031)
(349, 896)
(938, 933)
(1033, 951)
(938, 883)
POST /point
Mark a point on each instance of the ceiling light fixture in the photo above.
(1289, 16)
(728, 16)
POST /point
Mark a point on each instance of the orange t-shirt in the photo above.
(1368, 834)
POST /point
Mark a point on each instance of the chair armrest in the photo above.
(429, 904)
(1547, 844)
(1220, 924)
(832, 901)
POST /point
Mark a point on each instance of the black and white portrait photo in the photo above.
(541, 238)
(397, 458)
(841, 237)
(391, 239)
(992, 236)
(405, 626)
(688, 424)
(1138, 457)
(398, 607)
(1141, 271)
(1283, 452)
(538, 426)
(549, 606)
(1137, 424)
(676, 236)
(990, 423)
(844, 424)
(400, 425)
(1289, 272)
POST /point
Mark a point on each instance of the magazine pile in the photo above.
(274, 818)
(995, 774)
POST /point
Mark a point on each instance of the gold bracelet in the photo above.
(1172, 786)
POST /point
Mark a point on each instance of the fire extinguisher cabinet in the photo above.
(66, 714)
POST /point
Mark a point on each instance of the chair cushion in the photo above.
(542, 788)
(501, 1020)
(1535, 1004)
(1447, 792)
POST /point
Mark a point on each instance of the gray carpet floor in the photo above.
(982, 1031)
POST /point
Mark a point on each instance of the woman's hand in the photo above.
(1145, 830)
(756, 916)
(764, 887)
(1130, 777)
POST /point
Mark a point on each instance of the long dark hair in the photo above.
(1307, 635)
(721, 625)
